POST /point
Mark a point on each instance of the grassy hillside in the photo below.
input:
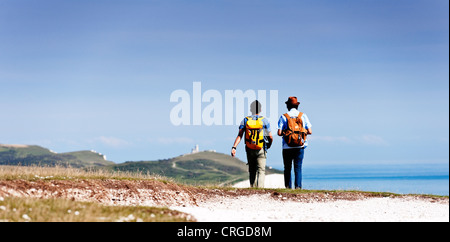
(203, 168)
(90, 158)
(27, 155)
(25, 150)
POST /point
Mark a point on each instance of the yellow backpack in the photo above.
(254, 133)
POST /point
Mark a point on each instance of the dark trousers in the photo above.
(293, 156)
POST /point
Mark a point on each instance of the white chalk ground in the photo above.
(270, 181)
(262, 208)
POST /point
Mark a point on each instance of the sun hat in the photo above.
(293, 101)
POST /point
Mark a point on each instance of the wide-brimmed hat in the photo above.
(293, 101)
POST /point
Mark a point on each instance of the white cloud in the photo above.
(367, 139)
(372, 140)
(111, 141)
(176, 140)
(331, 138)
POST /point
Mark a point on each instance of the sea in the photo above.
(396, 178)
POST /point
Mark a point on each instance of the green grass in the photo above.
(31, 173)
(14, 209)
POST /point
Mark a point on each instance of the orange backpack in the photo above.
(295, 134)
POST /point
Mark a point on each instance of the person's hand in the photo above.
(233, 152)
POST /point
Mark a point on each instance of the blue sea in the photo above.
(396, 178)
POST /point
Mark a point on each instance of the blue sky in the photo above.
(371, 75)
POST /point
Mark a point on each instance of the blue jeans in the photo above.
(293, 156)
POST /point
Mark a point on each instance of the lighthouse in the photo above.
(195, 149)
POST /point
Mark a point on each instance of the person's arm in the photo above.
(270, 138)
(280, 132)
(307, 124)
(236, 142)
(281, 124)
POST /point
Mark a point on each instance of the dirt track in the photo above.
(158, 193)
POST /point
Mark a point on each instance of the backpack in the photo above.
(295, 134)
(254, 133)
